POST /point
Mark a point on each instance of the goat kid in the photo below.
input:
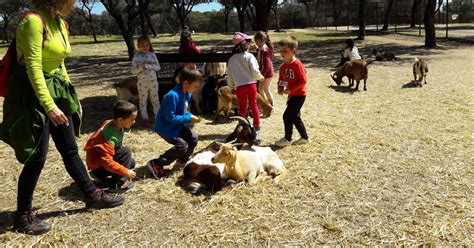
(251, 164)
(420, 69)
(243, 133)
(353, 70)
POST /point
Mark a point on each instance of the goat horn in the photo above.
(240, 118)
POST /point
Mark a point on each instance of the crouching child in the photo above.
(109, 162)
(171, 122)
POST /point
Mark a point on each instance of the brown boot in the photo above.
(27, 222)
(100, 199)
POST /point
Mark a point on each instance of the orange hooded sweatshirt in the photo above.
(100, 153)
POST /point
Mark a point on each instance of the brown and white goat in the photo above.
(249, 164)
(200, 173)
(353, 70)
(420, 68)
(383, 56)
(227, 99)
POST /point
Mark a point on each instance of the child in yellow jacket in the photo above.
(108, 160)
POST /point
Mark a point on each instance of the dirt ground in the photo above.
(392, 165)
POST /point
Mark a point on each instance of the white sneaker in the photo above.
(301, 141)
(282, 142)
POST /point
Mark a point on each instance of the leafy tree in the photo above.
(227, 4)
(184, 7)
(124, 13)
(262, 10)
(86, 13)
(9, 9)
(240, 6)
(414, 12)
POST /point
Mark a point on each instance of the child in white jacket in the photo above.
(145, 65)
(243, 72)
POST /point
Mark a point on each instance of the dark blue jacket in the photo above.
(173, 114)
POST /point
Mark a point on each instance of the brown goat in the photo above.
(226, 99)
(355, 69)
(420, 68)
(383, 56)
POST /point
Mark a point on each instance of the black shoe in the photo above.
(27, 222)
(100, 199)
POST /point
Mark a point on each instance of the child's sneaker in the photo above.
(157, 170)
(282, 142)
(301, 141)
(146, 123)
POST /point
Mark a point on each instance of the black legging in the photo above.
(292, 116)
(65, 141)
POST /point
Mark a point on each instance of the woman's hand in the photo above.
(57, 117)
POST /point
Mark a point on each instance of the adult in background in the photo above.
(351, 52)
(41, 101)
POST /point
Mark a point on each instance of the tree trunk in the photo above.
(6, 21)
(387, 16)
(414, 12)
(262, 8)
(226, 22)
(308, 13)
(150, 26)
(428, 20)
(277, 21)
(241, 16)
(143, 25)
(361, 20)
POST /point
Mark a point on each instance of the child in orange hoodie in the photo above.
(108, 160)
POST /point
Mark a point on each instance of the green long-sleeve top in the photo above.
(39, 56)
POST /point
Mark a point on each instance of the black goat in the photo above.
(244, 132)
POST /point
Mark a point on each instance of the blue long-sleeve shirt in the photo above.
(173, 113)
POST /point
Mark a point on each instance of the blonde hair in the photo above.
(55, 7)
(289, 42)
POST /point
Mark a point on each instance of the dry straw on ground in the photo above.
(390, 166)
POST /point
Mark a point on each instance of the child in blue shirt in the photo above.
(171, 119)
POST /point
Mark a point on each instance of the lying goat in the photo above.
(383, 56)
(354, 70)
(244, 132)
(200, 173)
(420, 68)
(248, 165)
(226, 99)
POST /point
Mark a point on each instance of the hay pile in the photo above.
(390, 166)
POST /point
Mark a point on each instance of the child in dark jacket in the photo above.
(171, 122)
(108, 160)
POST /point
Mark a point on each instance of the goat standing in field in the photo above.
(420, 68)
(354, 70)
(249, 164)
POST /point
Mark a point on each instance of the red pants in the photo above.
(248, 93)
